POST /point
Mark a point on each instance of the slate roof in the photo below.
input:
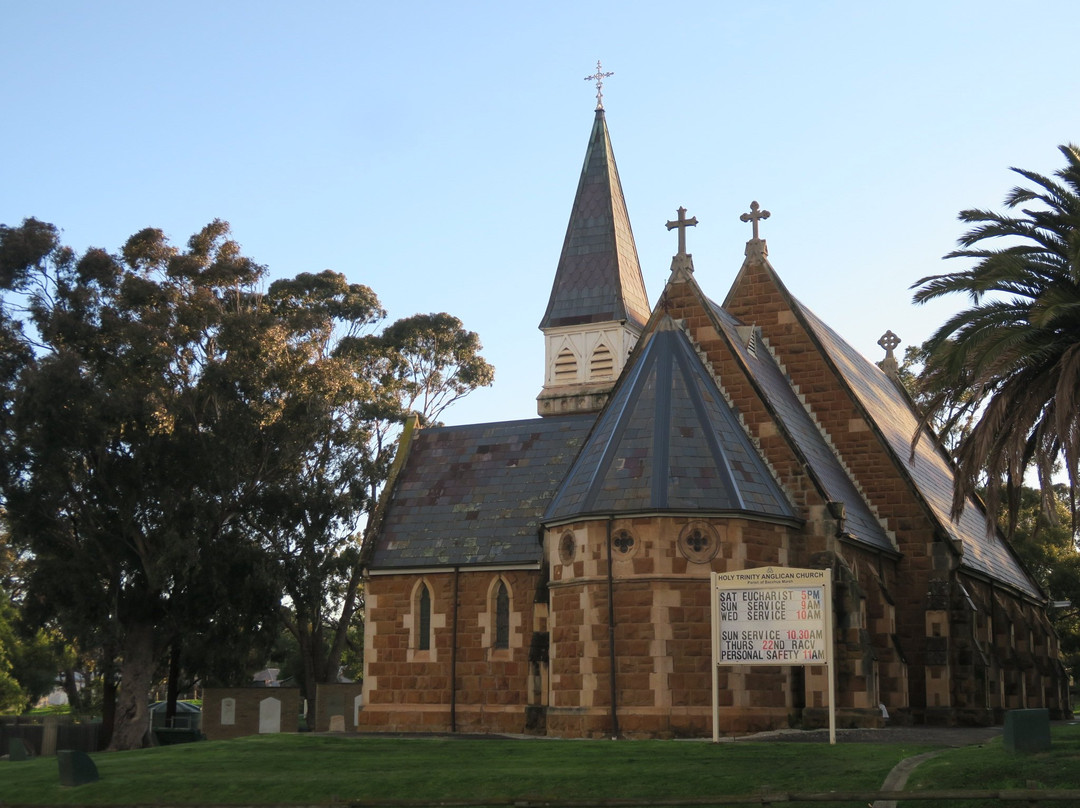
(929, 469)
(598, 277)
(474, 494)
(807, 440)
(668, 441)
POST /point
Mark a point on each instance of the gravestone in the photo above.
(333, 700)
(335, 708)
(269, 716)
(335, 703)
(228, 712)
(76, 768)
(235, 712)
(1027, 730)
(18, 749)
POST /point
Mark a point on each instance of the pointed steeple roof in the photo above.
(668, 441)
(598, 278)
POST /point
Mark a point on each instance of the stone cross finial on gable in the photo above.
(599, 77)
(889, 341)
(682, 223)
(755, 215)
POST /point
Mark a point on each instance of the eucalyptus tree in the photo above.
(1006, 370)
(435, 362)
(425, 363)
(188, 459)
(12, 694)
(310, 517)
(148, 402)
(364, 383)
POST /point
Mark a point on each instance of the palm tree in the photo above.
(1006, 371)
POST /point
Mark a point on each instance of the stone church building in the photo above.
(552, 575)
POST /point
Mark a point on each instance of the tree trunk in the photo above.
(348, 609)
(136, 676)
(71, 689)
(309, 648)
(108, 698)
(172, 688)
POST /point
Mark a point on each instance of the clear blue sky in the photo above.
(431, 149)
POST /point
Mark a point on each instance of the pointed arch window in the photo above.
(424, 614)
(602, 364)
(502, 616)
(566, 367)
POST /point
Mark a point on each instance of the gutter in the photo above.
(453, 655)
(611, 633)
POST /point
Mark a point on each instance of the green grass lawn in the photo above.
(320, 769)
(313, 769)
(991, 767)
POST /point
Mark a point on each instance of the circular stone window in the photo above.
(698, 542)
(623, 542)
(567, 547)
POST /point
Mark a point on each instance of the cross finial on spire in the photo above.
(682, 223)
(754, 216)
(599, 77)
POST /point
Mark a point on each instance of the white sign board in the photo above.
(772, 616)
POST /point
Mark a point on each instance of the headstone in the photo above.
(18, 749)
(356, 703)
(1027, 730)
(335, 702)
(337, 723)
(228, 712)
(269, 716)
(76, 768)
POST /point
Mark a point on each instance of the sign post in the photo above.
(772, 616)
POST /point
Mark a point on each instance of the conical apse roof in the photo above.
(668, 441)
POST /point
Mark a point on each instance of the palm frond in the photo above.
(1010, 362)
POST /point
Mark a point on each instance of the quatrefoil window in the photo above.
(567, 547)
(623, 541)
(698, 542)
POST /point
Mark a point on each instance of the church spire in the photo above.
(598, 277)
(598, 303)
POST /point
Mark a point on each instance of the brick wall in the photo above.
(663, 685)
(233, 712)
(478, 688)
(336, 699)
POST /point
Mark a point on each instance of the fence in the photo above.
(46, 734)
